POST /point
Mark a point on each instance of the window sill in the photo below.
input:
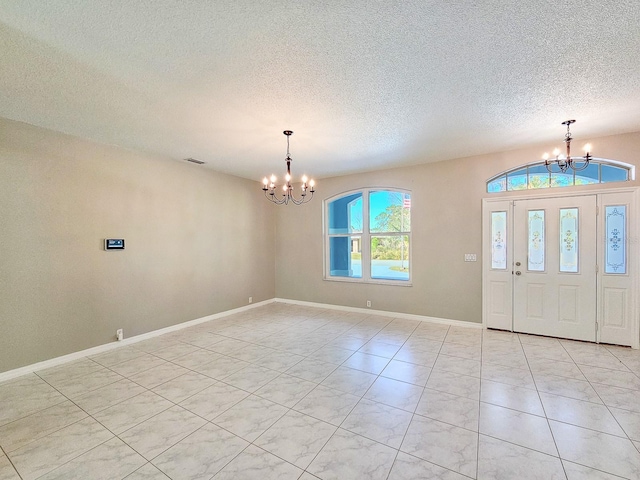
(373, 281)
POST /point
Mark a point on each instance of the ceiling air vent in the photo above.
(193, 160)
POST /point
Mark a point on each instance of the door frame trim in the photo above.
(634, 239)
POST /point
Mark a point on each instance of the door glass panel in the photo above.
(499, 240)
(569, 240)
(616, 251)
(535, 259)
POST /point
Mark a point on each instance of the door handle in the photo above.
(518, 264)
(518, 272)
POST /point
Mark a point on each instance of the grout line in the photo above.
(479, 405)
(555, 443)
(10, 462)
(329, 331)
(421, 395)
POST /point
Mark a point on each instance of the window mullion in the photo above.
(366, 238)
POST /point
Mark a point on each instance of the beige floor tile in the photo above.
(337, 393)
(523, 429)
(347, 455)
(250, 417)
(113, 459)
(40, 424)
(296, 438)
(446, 445)
(159, 433)
(499, 460)
(48, 453)
(597, 450)
(201, 454)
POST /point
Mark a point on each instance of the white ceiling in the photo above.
(364, 84)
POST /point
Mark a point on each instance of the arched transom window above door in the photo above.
(536, 175)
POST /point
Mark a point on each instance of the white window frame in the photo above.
(365, 239)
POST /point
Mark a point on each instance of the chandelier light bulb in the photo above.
(545, 156)
(273, 179)
(265, 181)
(312, 182)
(556, 152)
(284, 188)
(304, 179)
(587, 148)
(287, 177)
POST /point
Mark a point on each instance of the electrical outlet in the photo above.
(470, 257)
(120, 334)
(369, 303)
(250, 299)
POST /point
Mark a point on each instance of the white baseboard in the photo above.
(8, 375)
(53, 362)
(368, 311)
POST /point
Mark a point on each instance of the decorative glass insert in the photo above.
(535, 256)
(390, 257)
(536, 175)
(497, 185)
(615, 228)
(569, 240)
(499, 240)
(517, 180)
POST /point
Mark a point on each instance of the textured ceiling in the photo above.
(363, 84)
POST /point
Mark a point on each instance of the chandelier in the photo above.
(269, 185)
(564, 162)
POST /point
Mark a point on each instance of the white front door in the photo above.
(539, 266)
(554, 267)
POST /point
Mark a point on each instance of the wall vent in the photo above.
(193, 160)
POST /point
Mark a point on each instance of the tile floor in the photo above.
(285, 391)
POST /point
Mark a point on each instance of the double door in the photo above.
(541, 268)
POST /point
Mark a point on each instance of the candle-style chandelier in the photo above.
(564, 162)
(269, 185)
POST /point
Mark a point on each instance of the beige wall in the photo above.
(197, 243)
(201, 242)
(446, 221)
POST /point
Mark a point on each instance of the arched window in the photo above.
(536, 175)
(368, 236)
